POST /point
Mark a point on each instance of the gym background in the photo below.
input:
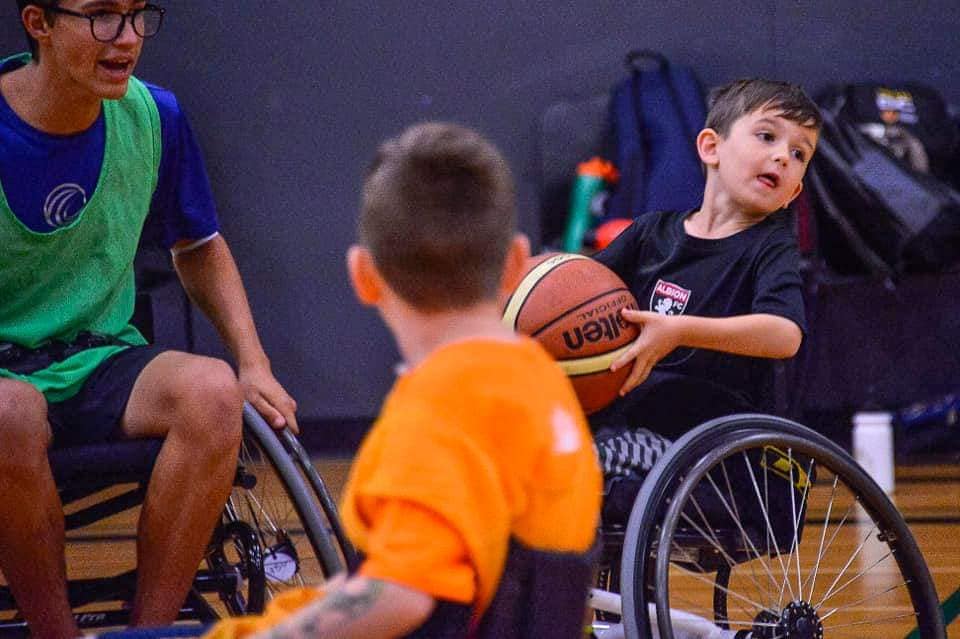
(289, 101)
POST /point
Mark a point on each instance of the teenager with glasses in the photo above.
(87, 152)
(106, 26)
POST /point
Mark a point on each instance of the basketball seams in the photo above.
(574, 309)
(592, 364)
(529, 282)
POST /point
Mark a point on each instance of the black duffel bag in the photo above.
(894, 217)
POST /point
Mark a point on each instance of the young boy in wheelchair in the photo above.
(475, 498)
(721, 284)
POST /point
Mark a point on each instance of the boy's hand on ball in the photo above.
(657, 338)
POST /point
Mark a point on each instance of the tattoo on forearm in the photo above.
(354, 604)
(334, 611)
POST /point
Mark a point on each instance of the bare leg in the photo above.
(197, 403)
(31, 533)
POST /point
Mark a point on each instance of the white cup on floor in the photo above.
(873, 446)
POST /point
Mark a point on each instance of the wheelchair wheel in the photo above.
(755, 526)
(279, 529)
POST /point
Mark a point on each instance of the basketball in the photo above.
(571, 304)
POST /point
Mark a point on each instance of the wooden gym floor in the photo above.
(928, 496)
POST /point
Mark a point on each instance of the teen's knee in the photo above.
(23, 420)
(208, 402)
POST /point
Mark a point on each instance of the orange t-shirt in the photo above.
(482, 442)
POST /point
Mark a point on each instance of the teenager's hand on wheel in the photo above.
(658, 336)
(265, 393)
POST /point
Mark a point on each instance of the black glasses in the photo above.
(106, 26)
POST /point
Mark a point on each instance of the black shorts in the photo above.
(93, 415)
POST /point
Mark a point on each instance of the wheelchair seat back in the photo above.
(540, 594)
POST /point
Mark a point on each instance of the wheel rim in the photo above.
(876, 586)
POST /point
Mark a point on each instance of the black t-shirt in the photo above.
(673, 273)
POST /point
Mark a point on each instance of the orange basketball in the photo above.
(571, 304)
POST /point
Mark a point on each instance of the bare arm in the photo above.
(211, 279)
(356, 608)
(755, 335)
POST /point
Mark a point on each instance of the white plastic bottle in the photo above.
(873, 446)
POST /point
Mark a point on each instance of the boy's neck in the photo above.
(47, 102)
(418, 334)
(719, 216)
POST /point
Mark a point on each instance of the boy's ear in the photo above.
(796, 192)
(513, 267)
(368, 284)
(707, 141)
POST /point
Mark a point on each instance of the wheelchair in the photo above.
(753, 526)
(279, 528)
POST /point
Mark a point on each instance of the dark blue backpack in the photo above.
(655, 115)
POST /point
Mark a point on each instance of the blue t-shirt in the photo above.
(48, 178)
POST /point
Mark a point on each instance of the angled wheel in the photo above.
(280, 528)
(754, 526)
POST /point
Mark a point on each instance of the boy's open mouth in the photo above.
(770, 179)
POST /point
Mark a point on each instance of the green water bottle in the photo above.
(592, 179)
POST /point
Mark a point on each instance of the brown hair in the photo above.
(437, 214)
(735, 100)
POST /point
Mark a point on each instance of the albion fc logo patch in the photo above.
(668, 298)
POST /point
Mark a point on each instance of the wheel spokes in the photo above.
(858, 567)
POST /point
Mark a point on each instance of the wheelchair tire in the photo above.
(280, 528)
(763, 592)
